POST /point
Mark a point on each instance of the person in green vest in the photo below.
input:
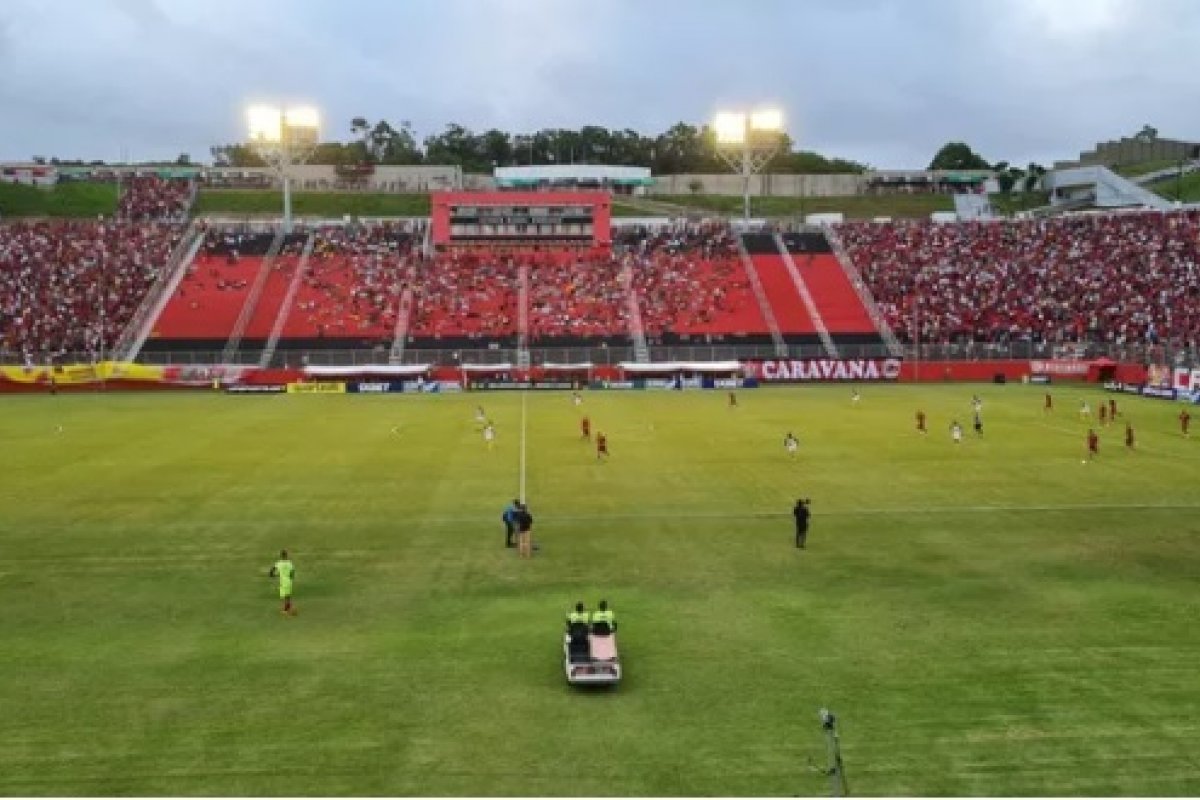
(286, 573)
(603, 620)
(577, 617)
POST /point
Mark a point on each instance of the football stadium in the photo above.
(590, 462)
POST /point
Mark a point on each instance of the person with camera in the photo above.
(801, 514)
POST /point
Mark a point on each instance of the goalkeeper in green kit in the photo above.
(284, 570)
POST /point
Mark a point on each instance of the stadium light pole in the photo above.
(747, 142)
(284, 137)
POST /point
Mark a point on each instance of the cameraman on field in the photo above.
(801, 513)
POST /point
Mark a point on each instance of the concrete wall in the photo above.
(1132, 151)
(764, 185)
(315, 177)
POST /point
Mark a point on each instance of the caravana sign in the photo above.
(826, 369)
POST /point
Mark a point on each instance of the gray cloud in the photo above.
(883, 81)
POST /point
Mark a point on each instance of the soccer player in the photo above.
(480, 417)
(1093, 444)
(1129, 444)
(921, 422)
(956, 432)
(601, 447)
(489, 435)
(1185, 419)
(978, 424)
(1103, 414)
(1049, 405)
(1085, 411)
(855, 397)
(286, 573)
(733, 400)
(976, 404)
(576, 398)
(791, 444)
(585, 427)
(1112, 410)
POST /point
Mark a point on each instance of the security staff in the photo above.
(577, 617)
(801, 513)
(603, 621)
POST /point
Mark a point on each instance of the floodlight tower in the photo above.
(747, 143)
(284, 137)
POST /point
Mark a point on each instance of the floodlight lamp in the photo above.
(266, 123)
(303, 117)
(769, 119)
(730, 127)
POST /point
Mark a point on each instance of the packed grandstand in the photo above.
(158, 280)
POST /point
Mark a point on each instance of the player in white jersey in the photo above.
(489, 435)
(576, 399)
(976, 404)
(791, 444)
(1085, 410)
(855, 397)
(956, 432)
(480, 417)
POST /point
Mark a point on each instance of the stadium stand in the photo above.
(576, 297)
(465, 299)
(155, 199)
(1119, 278)
(71, 287)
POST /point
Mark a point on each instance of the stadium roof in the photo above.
(572, 173)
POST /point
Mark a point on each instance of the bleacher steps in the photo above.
(285, 310)
(637, 329)
(893, 345)
(814, 313)
(764, 305)
(229, 354)
(140, 326)
(400, 334)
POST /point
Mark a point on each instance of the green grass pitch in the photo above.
(993, 618)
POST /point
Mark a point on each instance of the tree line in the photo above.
(682, 148)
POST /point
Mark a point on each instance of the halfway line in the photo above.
(521, 491)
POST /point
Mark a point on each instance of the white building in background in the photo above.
(619, 180)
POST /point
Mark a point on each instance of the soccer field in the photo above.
(992, 618)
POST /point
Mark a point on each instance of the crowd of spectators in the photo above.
(1119, 278)
(577, 296)
(353, 284)
(72, 287)
(154, 199)
(465, 294)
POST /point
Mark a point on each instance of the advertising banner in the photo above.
(1060, 367)
(376, 387)
(825, 369)
(256, 388)
(317, 387)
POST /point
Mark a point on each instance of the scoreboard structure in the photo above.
(521, 219)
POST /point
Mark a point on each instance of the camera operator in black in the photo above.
(801, 513)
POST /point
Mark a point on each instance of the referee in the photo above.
(801, 513)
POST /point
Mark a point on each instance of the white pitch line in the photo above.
(521, 492)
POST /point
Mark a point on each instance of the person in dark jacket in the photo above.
(510, 522)
(801, 513)
(524, 522)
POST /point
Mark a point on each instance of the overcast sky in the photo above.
(881, 81)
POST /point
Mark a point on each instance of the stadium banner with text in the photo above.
(317, 387)
(65, 375)
(256, 388)
(1061, 367)
(1185, 380)
(376, 387)
(824, 369)
(510, 385)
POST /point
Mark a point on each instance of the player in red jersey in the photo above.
(1093, 444)
(1112, 410)
(585, 427)
(1129, 442)
(921, 422)
(601, 447)
(732, 400)
(1103, 414)
(1185, 419)
(1049, 406)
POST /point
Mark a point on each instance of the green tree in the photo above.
(1147, 134)
(235, 155)
(957, 155)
